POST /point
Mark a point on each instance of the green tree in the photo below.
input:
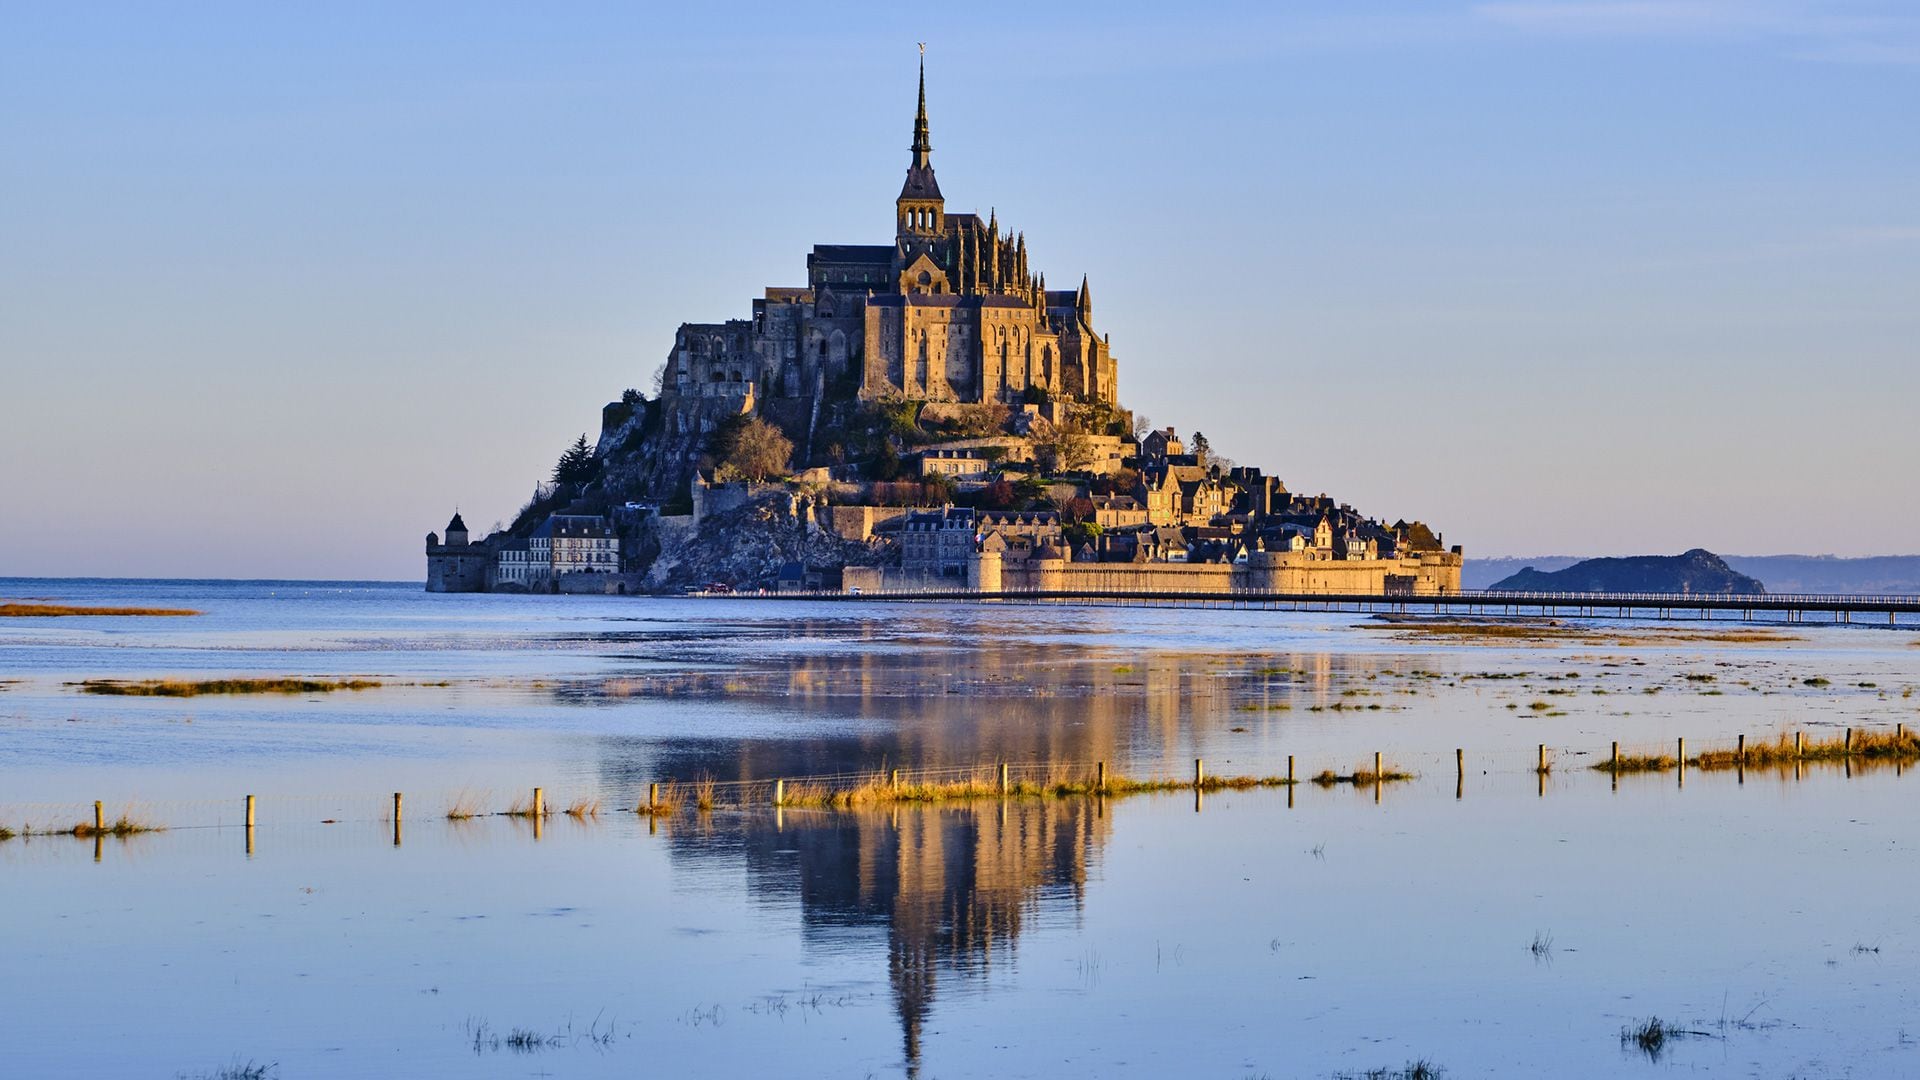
(1200, 448)
(577, 463)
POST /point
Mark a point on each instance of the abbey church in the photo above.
(950, 311)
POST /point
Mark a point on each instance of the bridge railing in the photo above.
(1486, 597)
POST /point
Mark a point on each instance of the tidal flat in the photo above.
(1482, 917)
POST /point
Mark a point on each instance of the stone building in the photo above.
(575, 543)
(458, 565)
(952, 310)
(937, 543)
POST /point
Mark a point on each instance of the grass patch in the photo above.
(582, 809)
(239, 1070)
(879, 789)
(523, 808)
(1412, 1070)
(1651, 1036)
(1361, 776)
(123, 826)
(1901, 745)
(703, 790)
(1817, 681)
(665, 804)
(196, 687)
(17, 610)
(465, 806)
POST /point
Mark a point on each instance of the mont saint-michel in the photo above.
(924, 413)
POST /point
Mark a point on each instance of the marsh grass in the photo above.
(18, 610)
(703, 794)
(1059, 783)
(123, 826)
(1412, 1070)
(522, 807)
(1868, 746)
(1651, 1036)
(1361, 776)
(582, 809)
(195, 688)
(465, 806)
(238, 1070)
(665, 805)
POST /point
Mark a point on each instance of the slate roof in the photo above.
(921, 185)
(853, 253)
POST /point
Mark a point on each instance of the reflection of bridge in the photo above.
(1790, 607)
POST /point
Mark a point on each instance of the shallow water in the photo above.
(1277, 932)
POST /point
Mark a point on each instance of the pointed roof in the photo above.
(456, 525)
(920, 182)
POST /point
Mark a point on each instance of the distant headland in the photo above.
(922, 413)
(1697, 572)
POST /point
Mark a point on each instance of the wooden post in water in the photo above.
(396, 819)
(99, 818)
(1614, 762)
(1199, 774)
(779, 792)
(1004, 787)
(1541, 767)
(1289, 772)
(893, 780)
(1100, 777)
(1740, 748)
(1459, 763)
(1797, 753)
(539, 804)
(1376, 766)
(1848, 746)
(249, 811)
(653, 797)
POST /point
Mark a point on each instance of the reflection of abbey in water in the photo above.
(945, 891)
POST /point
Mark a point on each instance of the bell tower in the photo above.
(920, 214)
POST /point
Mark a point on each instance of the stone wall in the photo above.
(1284, 572)
(858, 522)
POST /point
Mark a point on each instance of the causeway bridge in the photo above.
(1894, 610)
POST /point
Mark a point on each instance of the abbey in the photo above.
(950, 311)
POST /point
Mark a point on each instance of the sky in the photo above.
(283, 285)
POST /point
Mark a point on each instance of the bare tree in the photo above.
(755, 450)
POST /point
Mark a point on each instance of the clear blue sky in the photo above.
(279, 285)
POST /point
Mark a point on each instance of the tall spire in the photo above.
(921, 148)
(921, 188)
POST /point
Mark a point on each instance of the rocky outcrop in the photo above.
(1697, 572)
(745, 547)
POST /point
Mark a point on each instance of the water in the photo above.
(1265, 932)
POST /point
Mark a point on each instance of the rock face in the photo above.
(1698, 571)
(746, 547)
